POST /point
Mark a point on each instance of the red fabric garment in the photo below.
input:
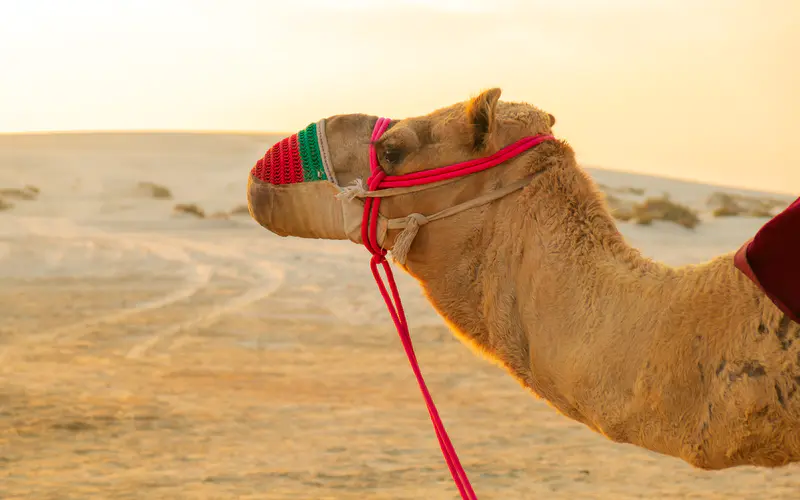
(771, 259)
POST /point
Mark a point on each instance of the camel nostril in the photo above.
(292, 160)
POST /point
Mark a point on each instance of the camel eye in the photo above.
(393, 156)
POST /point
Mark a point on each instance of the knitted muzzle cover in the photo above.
(292, 191)
(301, 157)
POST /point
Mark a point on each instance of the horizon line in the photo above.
(265, 133)
(142, 131)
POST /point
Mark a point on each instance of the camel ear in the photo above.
(481, 114)
(552, 119)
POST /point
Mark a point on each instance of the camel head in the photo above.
(307, 184)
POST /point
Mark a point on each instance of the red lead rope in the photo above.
(369, 231)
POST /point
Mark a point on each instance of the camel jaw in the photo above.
(302, 210)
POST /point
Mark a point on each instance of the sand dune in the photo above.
(149, 354)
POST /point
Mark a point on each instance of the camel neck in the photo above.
(539, 288)
(580, 291)
(643, 353)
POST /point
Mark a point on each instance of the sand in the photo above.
(157, 355)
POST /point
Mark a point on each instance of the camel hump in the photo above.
(771, 259)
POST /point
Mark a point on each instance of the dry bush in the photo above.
(190, 209)
(621, 190)
(731, 205)
(154, 190)
(26, 193)
(652, 209)
(666, 210)
(631, 190)
(240, 210)
(621, 209)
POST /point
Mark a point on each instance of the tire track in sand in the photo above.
(167, 248)
(271, 272)
(199, 276)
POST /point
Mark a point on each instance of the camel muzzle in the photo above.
(292, 191)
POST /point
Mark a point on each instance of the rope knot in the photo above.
(418, 218)
(355, 190)
(402, 245)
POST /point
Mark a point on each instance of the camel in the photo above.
(694, 362)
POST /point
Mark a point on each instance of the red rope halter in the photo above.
(369, 229)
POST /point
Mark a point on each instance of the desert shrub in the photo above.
(154, 190)
(620, 209)
(190, 209)
(666, 210)
(729, 205)
(26, 193)
(240, 210)
(621, 190)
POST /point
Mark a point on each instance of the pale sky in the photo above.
(698, 89)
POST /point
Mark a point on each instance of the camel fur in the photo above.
(693, 362)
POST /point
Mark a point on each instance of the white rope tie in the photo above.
(355, 190)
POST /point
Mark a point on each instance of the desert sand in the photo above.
(154, 353)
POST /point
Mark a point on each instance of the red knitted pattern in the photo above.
(281, 164)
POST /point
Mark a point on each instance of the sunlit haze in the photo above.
(694, 89)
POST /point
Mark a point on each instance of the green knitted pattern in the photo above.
(313, 168)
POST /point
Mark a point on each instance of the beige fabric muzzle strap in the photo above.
(411, 223)
(324, 152)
